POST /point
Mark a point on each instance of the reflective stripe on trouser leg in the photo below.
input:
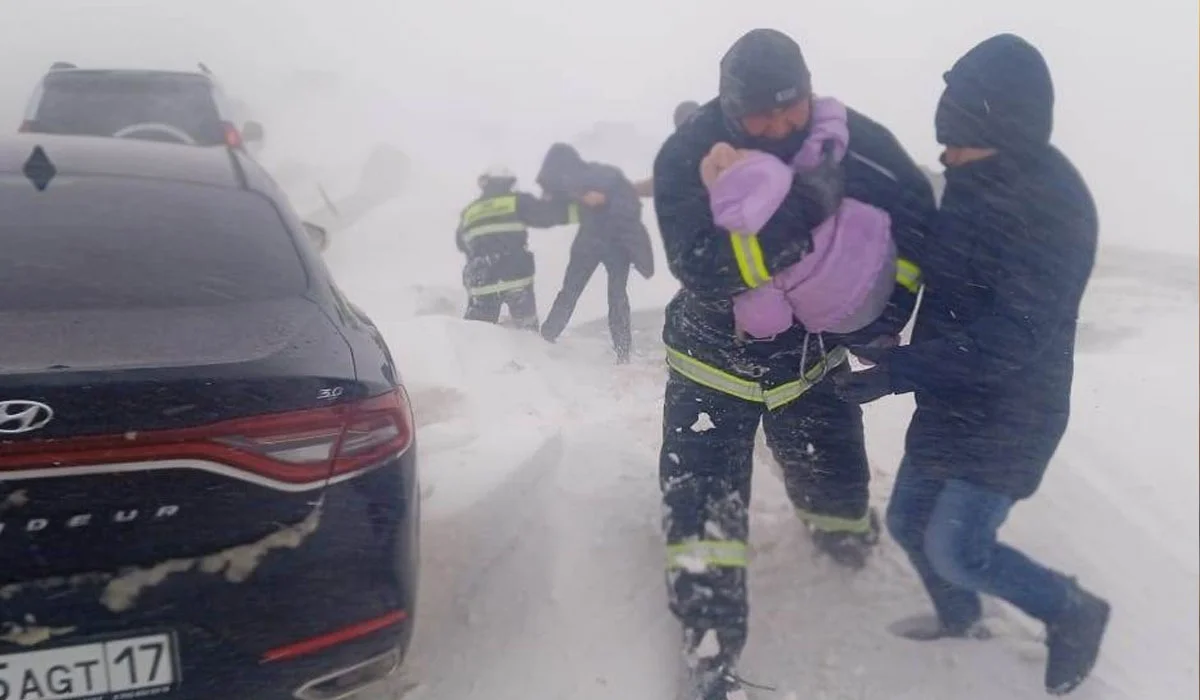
(832, 523)
(704, 474)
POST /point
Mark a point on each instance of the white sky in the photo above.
(455, 74)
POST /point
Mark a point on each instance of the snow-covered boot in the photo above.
(709, 682)
(1073, 641)
(850, 549)
(709, 661)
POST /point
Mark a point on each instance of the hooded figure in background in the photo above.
(611, 233)
(724, 384)
(992, 356)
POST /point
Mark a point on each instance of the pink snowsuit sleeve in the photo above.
(744, 198)
(845, 282)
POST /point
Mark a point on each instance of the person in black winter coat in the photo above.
(722, 385)
(611, 233)
(991, 359)
(493, 233)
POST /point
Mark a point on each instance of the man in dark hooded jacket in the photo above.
(611, 233)
(991, 359)
(722, 385)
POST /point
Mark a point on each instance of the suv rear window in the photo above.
(105, 242)
(101, 103)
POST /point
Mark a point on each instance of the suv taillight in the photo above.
(288, 451)
(26, 127)
(233, 137)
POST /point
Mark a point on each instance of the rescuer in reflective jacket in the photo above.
(723, 384)
(493, 232)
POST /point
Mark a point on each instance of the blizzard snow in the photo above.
(543, 562)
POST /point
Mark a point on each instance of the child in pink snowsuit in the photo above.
(846, 280)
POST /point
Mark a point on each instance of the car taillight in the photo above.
(290, 450)
(26, 127)
(233, 137)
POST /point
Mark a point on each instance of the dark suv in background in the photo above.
(208, 479)
(171, 106)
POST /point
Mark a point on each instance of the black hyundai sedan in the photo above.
(208, 480)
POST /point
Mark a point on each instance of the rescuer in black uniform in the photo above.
(722, 385)
(493, 232)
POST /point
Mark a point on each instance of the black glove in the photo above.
(822, 187)
(863, 387)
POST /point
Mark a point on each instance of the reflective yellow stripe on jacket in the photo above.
(749, 256)
(491, 216)
(487, 229)
(491, 208)
(726, 383)
(908, 275)
(499, 287)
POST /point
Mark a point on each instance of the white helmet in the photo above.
(497, 172)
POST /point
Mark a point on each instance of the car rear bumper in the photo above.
(338, 596)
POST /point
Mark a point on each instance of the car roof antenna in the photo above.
(38, 169)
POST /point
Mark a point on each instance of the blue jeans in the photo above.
(948, 529)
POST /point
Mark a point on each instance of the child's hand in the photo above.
(720, 157)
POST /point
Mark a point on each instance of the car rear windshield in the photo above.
(101, 104)
(105, 242)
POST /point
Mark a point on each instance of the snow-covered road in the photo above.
(542, 559)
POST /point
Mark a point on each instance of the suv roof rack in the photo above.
(62, 65)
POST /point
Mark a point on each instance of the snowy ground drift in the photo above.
(542, 559)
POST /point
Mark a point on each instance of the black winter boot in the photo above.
(1074, 641)
(710, 661)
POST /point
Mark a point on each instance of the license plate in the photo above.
(118, 669)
